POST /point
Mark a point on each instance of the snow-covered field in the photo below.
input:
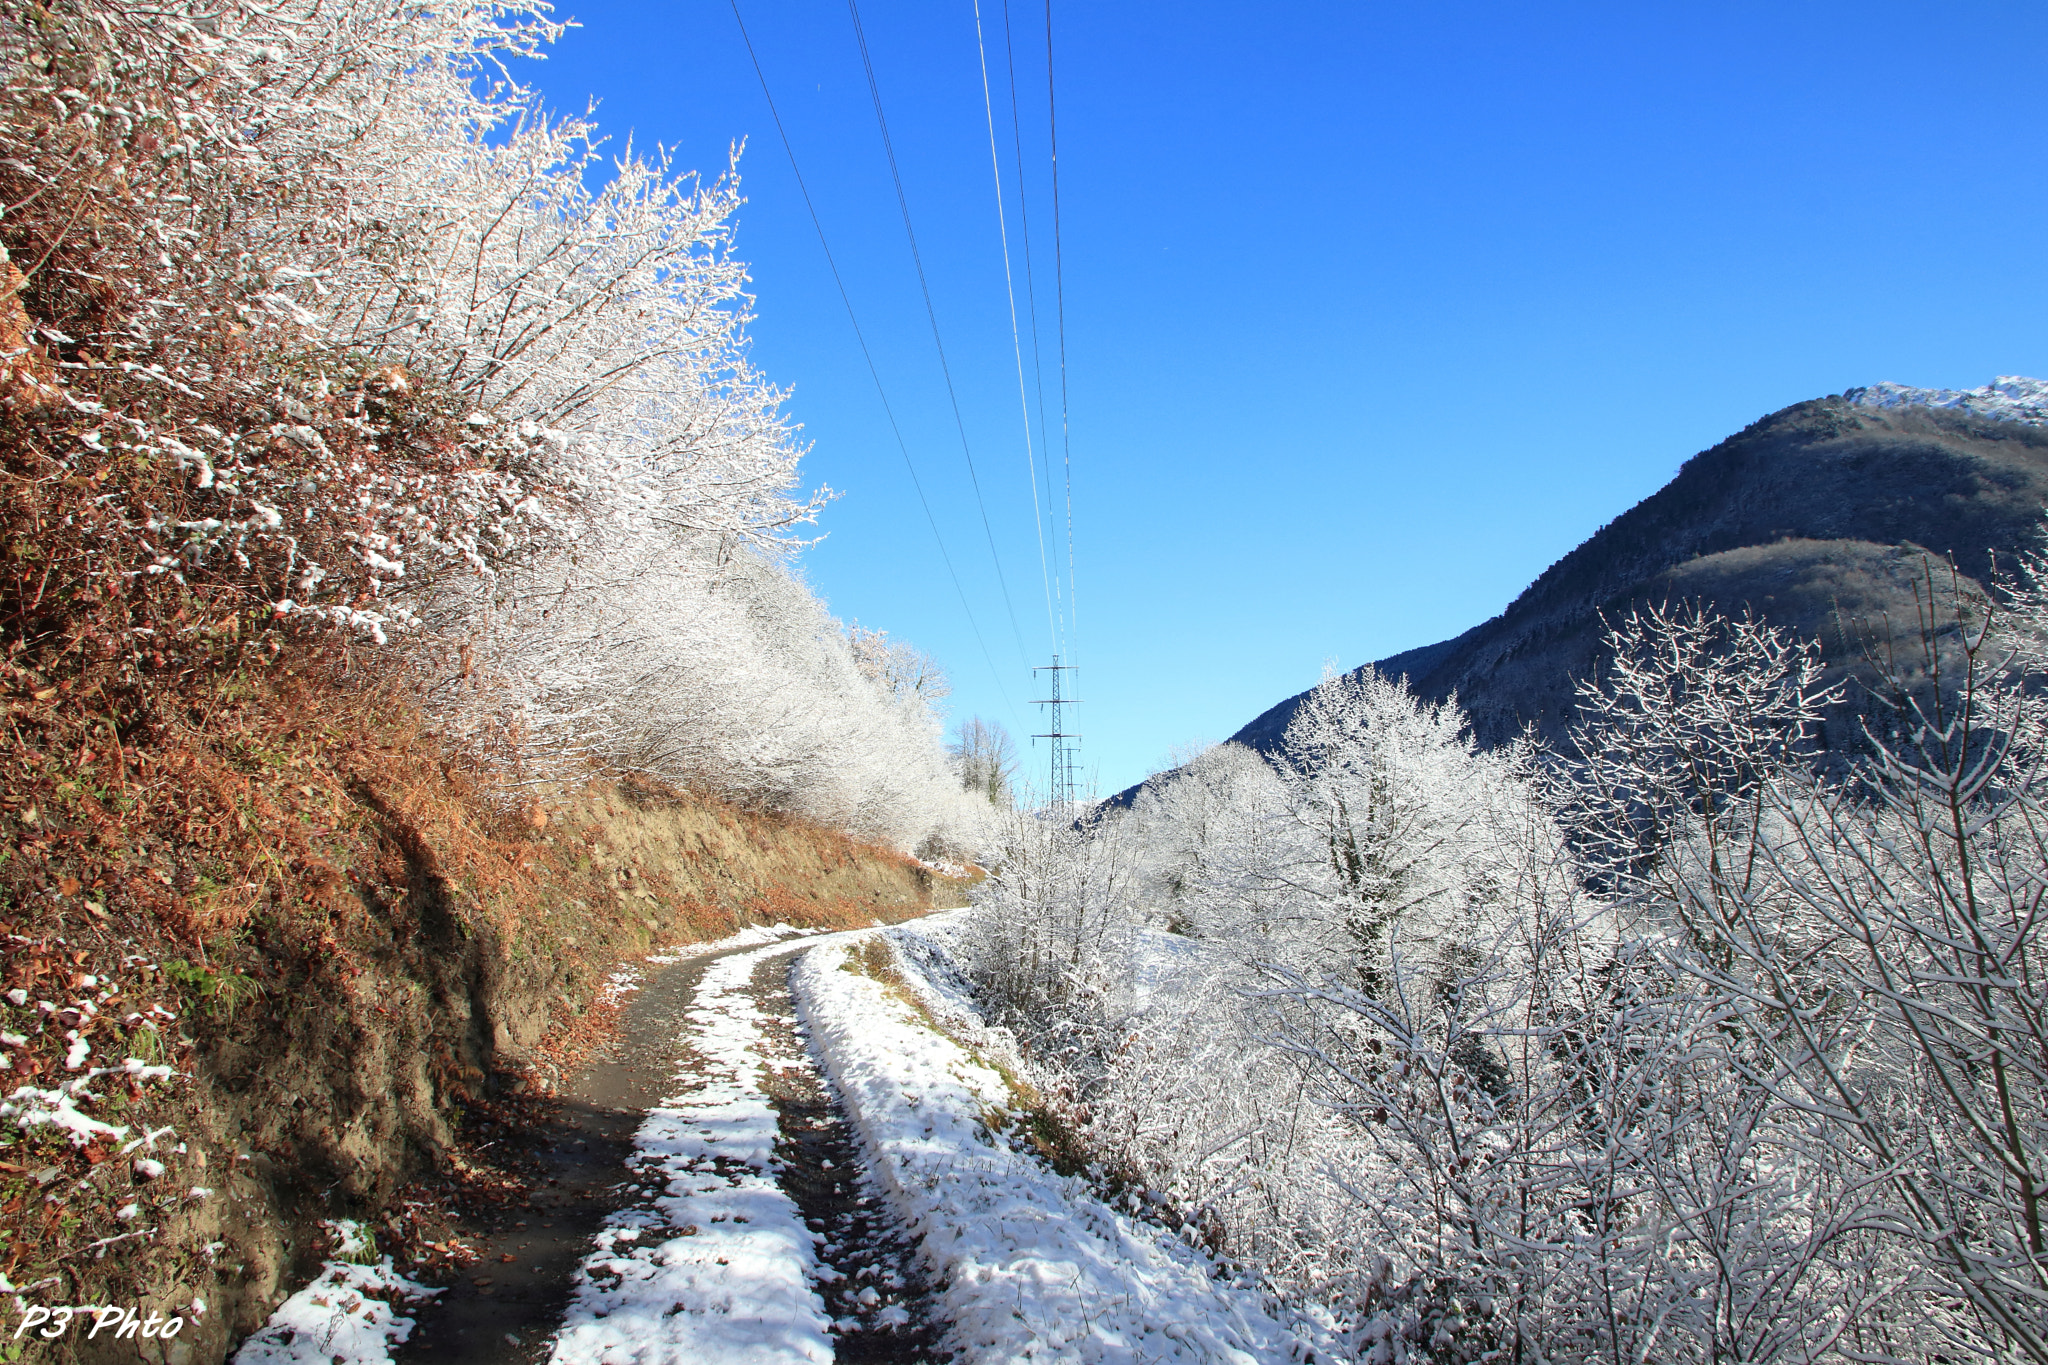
(1033, 1265)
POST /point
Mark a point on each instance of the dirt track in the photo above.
(584, 1154)
(873, 1281)
(504, 1312)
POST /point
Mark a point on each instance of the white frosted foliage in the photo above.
(402, 353)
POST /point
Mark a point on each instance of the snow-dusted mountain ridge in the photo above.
(1816, 517)
(2008, 398)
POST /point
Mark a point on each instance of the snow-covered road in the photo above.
(1035, 1267)
(717, 1265)
(828, 1179)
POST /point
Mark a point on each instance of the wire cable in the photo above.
(1016, 339)
(868, 355)
(932, 313)
(1030, 285)
(1060, 293)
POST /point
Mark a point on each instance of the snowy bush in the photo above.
(338, 326)
(729, 674)
(1671, 1047)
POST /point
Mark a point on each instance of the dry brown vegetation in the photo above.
(273, 948)
(357, 942)
(279, 883)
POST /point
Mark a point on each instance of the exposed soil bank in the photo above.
(385, 1053)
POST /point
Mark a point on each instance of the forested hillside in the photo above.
(380, 465)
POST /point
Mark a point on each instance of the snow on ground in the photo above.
(628, 979)
(748, 937)
(1035, 1267)
(719, 1265)
(2009, 398)
(929, 956)
(345, 1314)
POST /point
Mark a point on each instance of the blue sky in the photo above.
(1372, 310)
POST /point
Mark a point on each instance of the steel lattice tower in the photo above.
(1061, 793)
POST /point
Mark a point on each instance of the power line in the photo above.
(1016, 341)
(868, 355)
(1063, 741)
(1060, 293)
(1030, 278)
(931, 313)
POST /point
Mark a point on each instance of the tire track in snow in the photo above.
(510, 1311)
(717, 1264)
(740, 1177)
(872, 1276)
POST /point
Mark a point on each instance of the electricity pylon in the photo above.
(1061, 793)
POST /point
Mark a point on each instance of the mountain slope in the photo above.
(1822, 513)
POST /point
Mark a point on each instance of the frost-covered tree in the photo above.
(1312, 1020)
(345, 330)
(1055, 909)
(1623, 1055)
(985, 757)
(1760, 1229)
(1925, 878)
(1209, 837)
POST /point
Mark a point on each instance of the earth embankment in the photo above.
(355, 972)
